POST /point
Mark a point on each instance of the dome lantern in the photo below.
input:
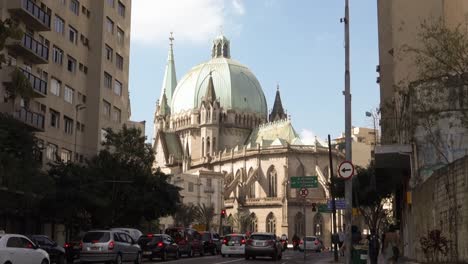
(221, 48)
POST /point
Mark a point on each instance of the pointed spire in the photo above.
(278, 112)
(163, 106)
(210, 95)
(170, 81)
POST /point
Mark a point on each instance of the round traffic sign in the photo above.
(303, 192)
(346, 170)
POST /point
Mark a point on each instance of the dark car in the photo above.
(56, 252)
(158, 246)
(263, 244)
(72, 250)
(211, 242)
(189, 240)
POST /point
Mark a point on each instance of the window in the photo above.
(107, 80)
(272, 182)
(72, 35)
(51, 152)
(120, 36)
(75, 6)
(63, 2)
(109, 25)
(55, 86)
(59, 25)
(65, 156)
(118, 88)
(111, 3)
(54, 118)
(116, 115)
(58, 55)
(121, 9)
(68, 94)
(68, 125)
(119, 61)
(271, 223)
(208, 182)
(106, 108)
(109, 52)
(190, 186)
(71, 66)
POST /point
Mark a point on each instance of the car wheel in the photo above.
(118, 259)
(223, 255)
(138, 258)
(190, 253)
(45, 261)
(177, 254)
(247, 257)
(164, 256)
(280, 256)
(61, 259)
(214, 252)
(202, 252)
(275, 256)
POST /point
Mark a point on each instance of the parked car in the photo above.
(134, 233)
(311, 243)
(72, 250)
(109, 246)
(20, 249)
(233, 244)
(56, 252)
(284, 241)
(263, 244)
(211, 242)
(158, 246)
(189, 240)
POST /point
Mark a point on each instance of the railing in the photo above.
(36, 11)
(33, 119)
(37, 84)
(35, 46)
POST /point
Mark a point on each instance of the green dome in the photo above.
(236, 87)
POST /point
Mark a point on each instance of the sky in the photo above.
(296, 44)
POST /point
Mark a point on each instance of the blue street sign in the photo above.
(340, 204)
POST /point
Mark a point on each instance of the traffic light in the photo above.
(314, 207)
(223, 213)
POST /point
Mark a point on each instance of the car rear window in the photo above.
(96, 237)
(146, 239)
(310, 239)
(261, 237)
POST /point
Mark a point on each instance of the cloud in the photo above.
(194, 21)
(238, 7)
(308, 137)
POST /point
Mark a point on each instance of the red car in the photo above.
(189, 240)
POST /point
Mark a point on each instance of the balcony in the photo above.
(34, 120)
(39, 86)
(33, 16)
(31, 49)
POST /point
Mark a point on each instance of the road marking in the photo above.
(230, 261)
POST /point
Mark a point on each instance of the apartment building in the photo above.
(363, 144)
(76, 55)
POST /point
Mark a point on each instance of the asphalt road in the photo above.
(289, 257)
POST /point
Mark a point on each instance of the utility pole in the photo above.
(349, 183)
(332, 181)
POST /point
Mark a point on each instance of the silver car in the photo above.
(263, 244)
(109, 246)
(134, 233)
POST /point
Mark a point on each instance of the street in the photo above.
(289, 256)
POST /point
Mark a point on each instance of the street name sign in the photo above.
(323, 208)
(346, 170)
(340, 204)
(304, 192)
(298, 182)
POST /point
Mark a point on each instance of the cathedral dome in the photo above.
(236, 87)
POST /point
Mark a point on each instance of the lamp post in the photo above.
(78, 108)
(374, 118)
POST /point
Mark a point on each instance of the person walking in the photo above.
(341, 237)
(391, 245)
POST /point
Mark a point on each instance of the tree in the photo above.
(184, 215)
(205, 215)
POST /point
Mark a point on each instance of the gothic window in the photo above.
(253, 224)
(299, 224)
(271, 223)
(318, 224)
(252, 190)
(203, 147)
(225, 51)
(272, 182)
(214, 144)
(218, 50)
(208, 149)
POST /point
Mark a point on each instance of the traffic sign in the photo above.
(304, 192)
(346, 170)
(323, 208)
(298, 182)
(340, 204)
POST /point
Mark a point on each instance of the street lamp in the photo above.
(78, 108)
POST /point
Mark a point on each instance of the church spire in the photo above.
(163, 105)
(210, 95)
(278, 111)
(170, 81)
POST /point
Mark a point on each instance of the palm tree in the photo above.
(184, 215)
(204, 215)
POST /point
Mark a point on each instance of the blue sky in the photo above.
(296, 43)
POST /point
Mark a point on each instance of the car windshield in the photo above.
(176, 234)
(261, 237)
(310, 239)
(146, 239)
(206, 236)
(96, 237)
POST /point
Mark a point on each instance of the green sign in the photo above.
(298, 182)
(323, 208)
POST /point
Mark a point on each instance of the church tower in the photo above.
(278, 112)
(209, 120)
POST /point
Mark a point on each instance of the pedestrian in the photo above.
(374, 248)
(341, 237)
(391, 245)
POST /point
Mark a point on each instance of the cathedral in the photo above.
(214, 135)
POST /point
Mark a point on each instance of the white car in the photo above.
(233, 244)
(311, 243)
(19, 249)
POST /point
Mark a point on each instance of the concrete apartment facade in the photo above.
(363, 144)
(409, 153)
(76, 55)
